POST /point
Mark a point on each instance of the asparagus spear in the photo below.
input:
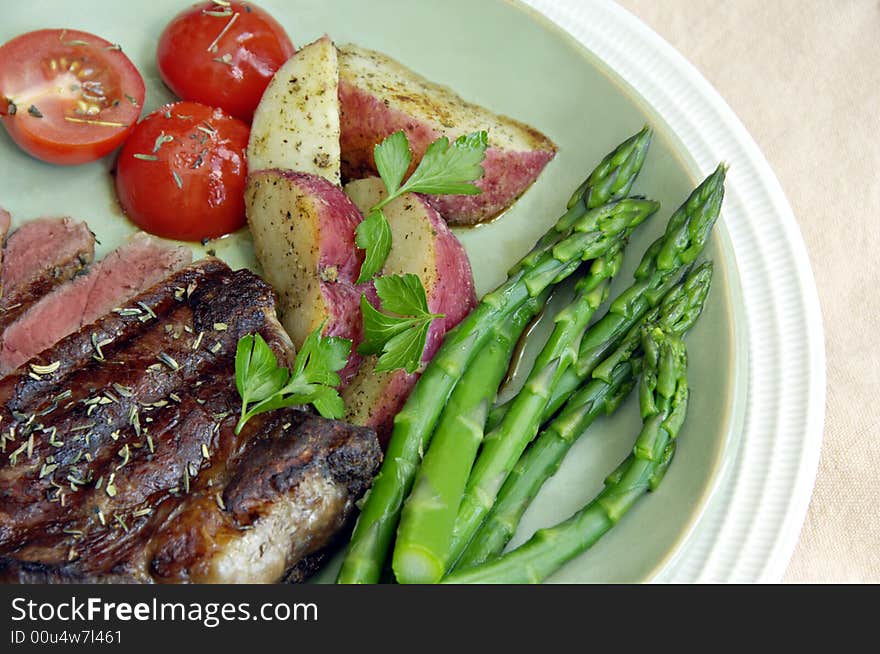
(663, 394)
(430, 509)
(592, 236)
(611, 180)
(612, 381)
(663, 264)
(503, 445)
(614, 176)
(424, 537)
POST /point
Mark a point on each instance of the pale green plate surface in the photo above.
(500, 55)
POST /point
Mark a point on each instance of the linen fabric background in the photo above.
(804, 77)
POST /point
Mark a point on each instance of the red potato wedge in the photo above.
(379, 96)
(343, 305)
(296, 124)
(303, 230)
(423, 245)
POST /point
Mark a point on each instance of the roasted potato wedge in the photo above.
(296, 124)
(379, 96)
(423, 245)
(303, 230)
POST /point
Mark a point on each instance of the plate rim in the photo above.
(719, 547)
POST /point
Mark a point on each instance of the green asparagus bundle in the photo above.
(428, 517)
(597, 232)
(663, 394)
(611, 383)
(661, 268)
(663, 264)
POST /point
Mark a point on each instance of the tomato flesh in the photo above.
(68, 97)
(182, 172)
(223, 55)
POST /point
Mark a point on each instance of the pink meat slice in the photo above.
(42, 254)
(122, 274)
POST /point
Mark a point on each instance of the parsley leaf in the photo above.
(392, 157)
(328, 402)
(399, 338)
(405, 349)
(379, 328)
(321, 357)
(403, 294)
(374, 236)
(265, 386)
(447, 169)
(444, 169)
(257, 375)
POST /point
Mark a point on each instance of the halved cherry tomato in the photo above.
(182, 172)
(223, 54)
(68, 97)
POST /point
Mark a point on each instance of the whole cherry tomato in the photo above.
(223, 54)
(182, 172)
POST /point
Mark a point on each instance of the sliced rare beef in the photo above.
(119, 459)
(39, 256)
(122, 274)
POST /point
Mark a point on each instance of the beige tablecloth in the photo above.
(804, 77)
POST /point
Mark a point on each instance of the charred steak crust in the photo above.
(119, 460)
(279, 467)
(275, 465)
(309, 565)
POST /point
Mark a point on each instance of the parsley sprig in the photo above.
(401, 334)
(264, 385)
(444, 169)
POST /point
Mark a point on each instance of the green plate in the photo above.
(509, 59)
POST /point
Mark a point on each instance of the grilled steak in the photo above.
(119, 460)
(122, 274)
(39, 256)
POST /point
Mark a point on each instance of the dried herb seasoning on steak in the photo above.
(119, 460)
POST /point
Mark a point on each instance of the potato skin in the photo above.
(342, 301)
(303, 230)
(425, 246)
(378, 96)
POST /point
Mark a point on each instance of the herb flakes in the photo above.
(169, 361)
(46, 370)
